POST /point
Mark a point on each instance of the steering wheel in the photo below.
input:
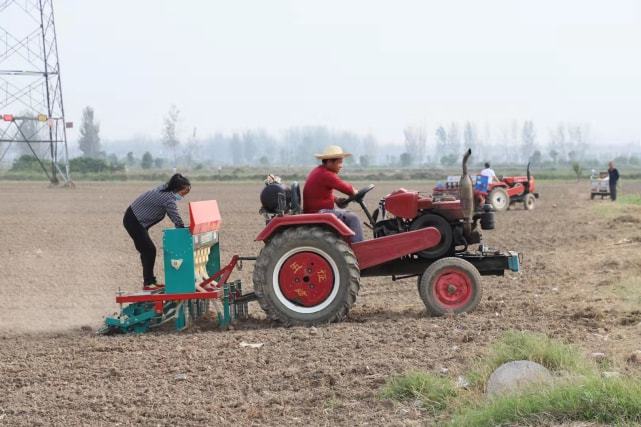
(359, 196)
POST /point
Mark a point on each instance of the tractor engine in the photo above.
(404, 211)
(454, 219)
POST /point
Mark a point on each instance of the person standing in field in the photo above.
(148, 210)
(614, 178)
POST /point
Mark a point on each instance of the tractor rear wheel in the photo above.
(444, 247)
(450, 285)
(499, 199)
(529, 201)
(306, 276)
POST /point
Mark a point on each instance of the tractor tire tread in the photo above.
(269, 251)
(502, 190)
(529, 201)
(434, 308)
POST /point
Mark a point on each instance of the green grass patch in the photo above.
(612, 401)
(432, 391)
(630, 199)
(625, 204)
(580, 394)
(516, 345)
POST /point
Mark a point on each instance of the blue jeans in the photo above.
(350, 219)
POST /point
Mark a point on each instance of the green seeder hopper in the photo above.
(196, 287)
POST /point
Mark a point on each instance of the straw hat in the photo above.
(332, 152)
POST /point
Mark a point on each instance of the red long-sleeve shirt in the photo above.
(319, 186)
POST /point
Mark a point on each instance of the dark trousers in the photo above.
(144, 245)
(351, 220)
(613, 191)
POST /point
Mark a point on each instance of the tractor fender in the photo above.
(493, 185)
(325, 219)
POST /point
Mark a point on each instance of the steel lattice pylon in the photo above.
(30, 88)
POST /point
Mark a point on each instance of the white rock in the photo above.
(514, 376)
(251, 345)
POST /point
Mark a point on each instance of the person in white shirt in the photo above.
(489, 172)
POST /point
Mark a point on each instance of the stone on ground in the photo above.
(515, 376)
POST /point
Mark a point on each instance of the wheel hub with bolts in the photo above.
(499, 199)
(306, 279)
(453, 288)
(450, 285)
(306, 276)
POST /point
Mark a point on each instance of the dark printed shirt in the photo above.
(614, 176)
(151, 207)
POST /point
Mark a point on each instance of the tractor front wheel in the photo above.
(499, 199)
(529, 201)
(306, 276)
(450, 285)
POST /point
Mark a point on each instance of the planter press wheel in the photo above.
(450, 285)
(306, 276)
(499, 199)
(529, 201)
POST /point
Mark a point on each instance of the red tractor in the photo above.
(309, 272)
(509, 190)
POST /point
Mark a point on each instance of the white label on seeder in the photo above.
(176, 263)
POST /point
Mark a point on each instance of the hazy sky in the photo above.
(366, 66)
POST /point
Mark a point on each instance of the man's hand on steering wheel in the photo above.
(357, 196)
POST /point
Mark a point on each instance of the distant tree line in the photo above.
(514, 143)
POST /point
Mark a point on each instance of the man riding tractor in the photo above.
(318, 194)
(489, 173)
(490, 177)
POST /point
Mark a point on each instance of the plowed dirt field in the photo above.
(64, 254)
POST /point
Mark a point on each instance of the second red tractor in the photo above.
(509, 190)
(500, 194)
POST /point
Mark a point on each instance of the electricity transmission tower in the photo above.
(31, 108)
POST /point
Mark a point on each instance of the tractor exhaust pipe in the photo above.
(466, 190)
